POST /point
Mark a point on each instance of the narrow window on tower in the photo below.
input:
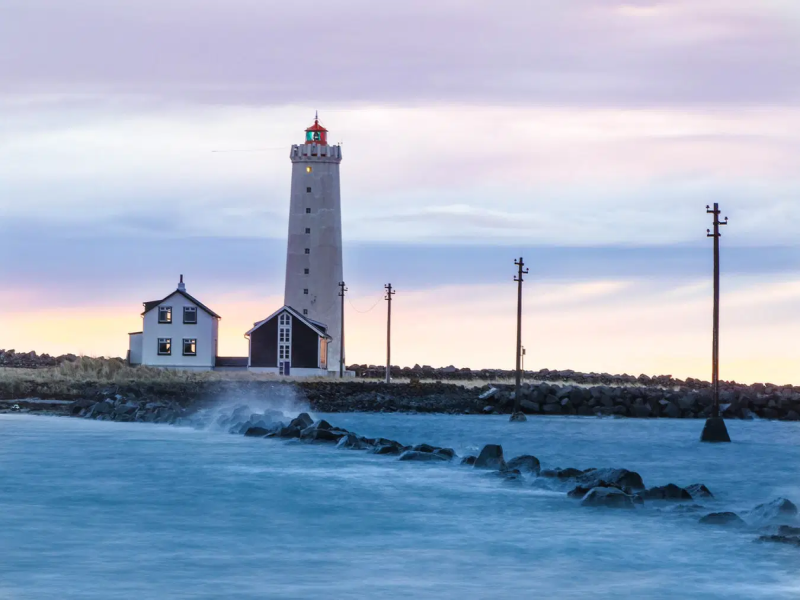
(308, 190)
(305, 271)
(308, 229)
(305, 311)
(308, 211)
(305, 291)
(308, 250)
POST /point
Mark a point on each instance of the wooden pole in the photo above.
(342, 290)
(517, 415)
(389, 294)
(715, 430)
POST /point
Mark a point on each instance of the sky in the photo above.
(143, 140)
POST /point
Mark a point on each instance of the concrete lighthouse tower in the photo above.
(314, 252)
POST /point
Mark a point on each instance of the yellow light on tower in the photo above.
(308, 169)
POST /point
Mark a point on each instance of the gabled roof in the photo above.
(148, 306)
(316, 326)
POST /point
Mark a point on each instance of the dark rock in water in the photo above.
(666, 492)
(468, 460)
(422, 456)
(578, 492)
(507, 475)
(568, 473)
(311, 434)
(301, 421)
(256, 432)
(698, 490)
(729, 519)
(526, 463)
(491, 457)
(448, 453)
(321, 424)
(619, 477)
(792, 540)
(607, 497)
(287, 432)
(424, 448)
(715, 431)
(352, 442)
(518, 417)
(779, 510)
(384, 446)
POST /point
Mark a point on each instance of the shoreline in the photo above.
(163, 400)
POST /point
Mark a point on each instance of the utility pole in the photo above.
(389, 294)
(518, 415)
(342, 290)
(715, 430)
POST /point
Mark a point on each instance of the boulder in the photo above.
(608, 498)
(352, 442)
(525, 463)
(792, 540)
(621, 477)
(665, 492)
(424, 448)
(448, 453)
(698, 490)
(779, 510)
(491, 457)
(384, 446)
(729, 519)
(290, 431)
(422, 456)
(468, 460)
(302, 421)
(256, 432)
(311, 434)
(568, 473)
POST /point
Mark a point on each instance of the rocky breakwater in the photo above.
(593, 488)
(739, 402)
(31, 360)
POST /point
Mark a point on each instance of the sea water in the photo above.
(103, 510)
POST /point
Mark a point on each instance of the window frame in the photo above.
(168, 343)
(191, 341)
(189, 310)
(167, 310)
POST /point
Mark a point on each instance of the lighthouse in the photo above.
(314, 247)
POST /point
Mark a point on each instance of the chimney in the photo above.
(181, 286)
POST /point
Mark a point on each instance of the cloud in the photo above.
(582, 52)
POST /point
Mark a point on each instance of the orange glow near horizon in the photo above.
(601, 326)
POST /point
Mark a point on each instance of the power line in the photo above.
(370, 309)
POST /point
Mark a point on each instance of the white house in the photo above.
(178, 332)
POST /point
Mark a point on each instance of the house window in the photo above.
(308, 190)
(164, 346)
(189, 347)
(305, 271)
(283, 335)
(308, 250)
(165, 314)
(308, 211)
(190, 315)
(283, 352)
(305, 291)
(308, 229)
(285, 320)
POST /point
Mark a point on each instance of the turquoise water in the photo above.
(102, 510)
